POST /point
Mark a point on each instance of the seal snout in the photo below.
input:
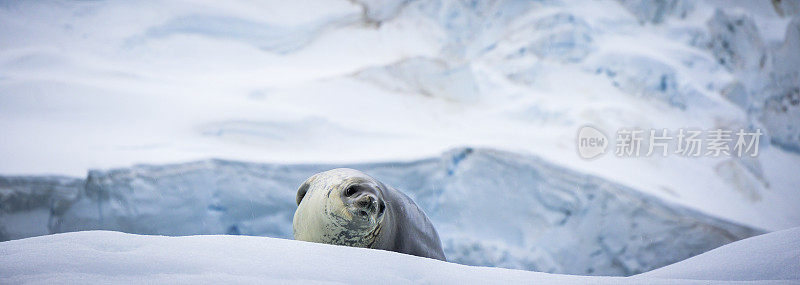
(364, 201)
(367, 203)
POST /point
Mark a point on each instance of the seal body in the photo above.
(347, 207)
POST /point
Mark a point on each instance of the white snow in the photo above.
(109, 84)
(104, 256)
(99, 85)
(773, 256)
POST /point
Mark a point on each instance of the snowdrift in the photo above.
(770, 256)
(104, 256)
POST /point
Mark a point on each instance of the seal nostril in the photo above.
(362, 212)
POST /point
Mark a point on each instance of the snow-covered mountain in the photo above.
(113, 257)
(294, 87)
(491, 208)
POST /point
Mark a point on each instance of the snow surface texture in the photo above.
(771, 256)
(490, 208)
(98, 85)
(113, 257)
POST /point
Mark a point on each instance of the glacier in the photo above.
(768, 78)
(491, 208)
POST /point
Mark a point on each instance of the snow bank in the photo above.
(103, 256)
(491, 208)
(772, 256)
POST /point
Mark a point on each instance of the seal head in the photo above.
(342, 207)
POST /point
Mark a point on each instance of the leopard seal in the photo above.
(347, 207)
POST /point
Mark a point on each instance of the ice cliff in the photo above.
(491, 208)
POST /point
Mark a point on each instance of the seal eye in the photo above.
(350, 191)
(381, 207)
